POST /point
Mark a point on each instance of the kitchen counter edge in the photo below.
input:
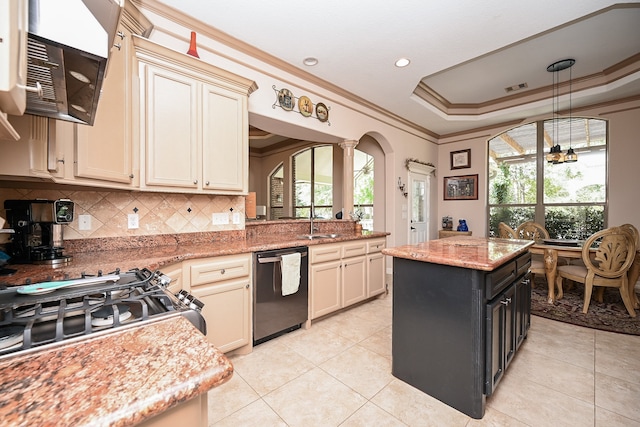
(156, 257)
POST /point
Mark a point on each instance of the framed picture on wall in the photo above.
(461, 187)
(461, 159)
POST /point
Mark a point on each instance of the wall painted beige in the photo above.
(623, 170)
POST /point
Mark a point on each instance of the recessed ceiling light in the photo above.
(402, 62)
(310, 61)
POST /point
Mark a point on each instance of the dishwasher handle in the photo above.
(272, 259)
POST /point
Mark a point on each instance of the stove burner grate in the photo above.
(28, 321)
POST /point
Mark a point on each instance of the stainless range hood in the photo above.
(67, 51)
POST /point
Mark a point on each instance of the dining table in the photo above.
(554, 249)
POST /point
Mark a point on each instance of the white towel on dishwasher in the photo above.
(290, 266)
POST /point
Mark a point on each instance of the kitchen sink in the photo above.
(318, 236)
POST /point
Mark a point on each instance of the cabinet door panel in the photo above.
(325, 288)
(375, 274)
(354, 287)
(104, 151)
(226, 311)
(225, 149)
(171, 126)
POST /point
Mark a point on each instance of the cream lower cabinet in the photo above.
(193, 123)
(337, 276)
(376, 269)
(174, 271)
(223, 284)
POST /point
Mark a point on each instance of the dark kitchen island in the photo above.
(461, 309)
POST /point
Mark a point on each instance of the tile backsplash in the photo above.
(159, 213)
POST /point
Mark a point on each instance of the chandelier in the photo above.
(555, 154)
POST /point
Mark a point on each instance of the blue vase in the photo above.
(462, 225)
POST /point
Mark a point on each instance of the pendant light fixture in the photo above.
(556, 155)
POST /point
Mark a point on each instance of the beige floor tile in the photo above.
(551, 382)
(537, 405)
(363, 370)
(606, 418)
(493, 418)
(370, 415)
(230, 397)
(256, 414)
(618, 355)
(354, 327)
(618, 396)
(561, 376)
(269, 367)
(318, 344)
(573, 344)
(415, 408)
(379, 343)
(314, 399)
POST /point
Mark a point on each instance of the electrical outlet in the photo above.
(220, 218)
(84, 222)
(133, 221)
(236, 217)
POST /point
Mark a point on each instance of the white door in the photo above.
(419, 206)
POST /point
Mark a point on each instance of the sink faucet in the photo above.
(311, 219)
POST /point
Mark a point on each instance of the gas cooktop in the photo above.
(49, 313)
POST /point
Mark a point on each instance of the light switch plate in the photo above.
(133, 221)
(84, 222)
(220, 218)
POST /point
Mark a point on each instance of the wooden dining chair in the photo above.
(506, 232)
(531, 230)
(636, 237)
(608, 268)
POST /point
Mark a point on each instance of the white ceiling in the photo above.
(464, 53)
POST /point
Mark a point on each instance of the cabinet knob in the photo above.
(507, 301)
(206, 183)
(222, 271)
(131, 175)
(247, 286)
(195, 181)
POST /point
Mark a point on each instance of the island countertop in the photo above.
(464, 251)
(116, 379)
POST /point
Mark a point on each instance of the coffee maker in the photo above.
(37, 226)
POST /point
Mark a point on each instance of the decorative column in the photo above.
(347, 176)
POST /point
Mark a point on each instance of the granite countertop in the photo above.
(464, 251)
(154, 253)
(116, 379)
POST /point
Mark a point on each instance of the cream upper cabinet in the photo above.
(193, 123)
(26, 157)
(105, 152)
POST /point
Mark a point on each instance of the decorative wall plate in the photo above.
(322, 112)
(286, 99)
(305, 106)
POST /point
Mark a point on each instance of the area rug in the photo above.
(610, 315)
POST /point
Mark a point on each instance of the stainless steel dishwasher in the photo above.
(274, 314)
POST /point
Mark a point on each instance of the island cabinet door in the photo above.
(500, 336)
(523, 309)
